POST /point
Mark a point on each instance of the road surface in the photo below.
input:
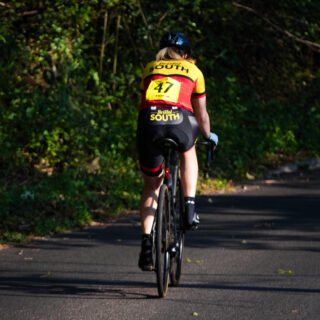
(256, 256)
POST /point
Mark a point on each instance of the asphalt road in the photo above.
(256, 256)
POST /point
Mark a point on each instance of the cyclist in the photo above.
(173, 105)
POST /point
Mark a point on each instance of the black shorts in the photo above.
(163, 122)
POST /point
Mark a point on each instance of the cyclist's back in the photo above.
(171, 82)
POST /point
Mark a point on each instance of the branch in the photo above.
(134, 47)
(312, 45)
(5, 5)
(115, 57)
(28, 13)
(162, 18)
(103, 45)
(21, 14)
(146, 23)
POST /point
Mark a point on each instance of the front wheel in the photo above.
(162, 241)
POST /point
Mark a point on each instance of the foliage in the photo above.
(69, 91)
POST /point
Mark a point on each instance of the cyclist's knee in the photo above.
(189, 159)
(152, 182)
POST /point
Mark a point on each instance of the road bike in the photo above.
(168, 232)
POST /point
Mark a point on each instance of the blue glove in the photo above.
(213, 138)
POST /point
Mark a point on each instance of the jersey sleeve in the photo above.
(199, 89)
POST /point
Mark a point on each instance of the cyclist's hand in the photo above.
(213, 138)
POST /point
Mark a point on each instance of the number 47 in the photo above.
(162, 85)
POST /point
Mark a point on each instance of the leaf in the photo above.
(282, 271)
(46, 275)
(249, 176)
(195, 261)
(195, 314)
(20, 253)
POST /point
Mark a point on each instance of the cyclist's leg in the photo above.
(189, 176)
(189, 172)
(149, 201)
(151, 162)
(148, 207)
(189, 168)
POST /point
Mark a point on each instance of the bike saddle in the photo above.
(168, 143)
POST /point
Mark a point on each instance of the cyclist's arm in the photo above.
(202, 116)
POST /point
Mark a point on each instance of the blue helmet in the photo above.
(177, 40)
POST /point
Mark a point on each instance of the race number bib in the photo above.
(166, 89)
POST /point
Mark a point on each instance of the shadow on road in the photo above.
(77, 288)
(108, 289)
(270, 217)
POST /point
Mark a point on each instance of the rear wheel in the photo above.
(177, 254)
(162, 230)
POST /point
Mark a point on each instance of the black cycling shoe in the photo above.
(191, 218)
(145, 257)
(194, 223)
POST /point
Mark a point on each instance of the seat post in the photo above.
(169, 147)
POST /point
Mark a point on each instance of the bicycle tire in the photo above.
(177, 258)
(162, 229)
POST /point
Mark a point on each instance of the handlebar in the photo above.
(210, 148)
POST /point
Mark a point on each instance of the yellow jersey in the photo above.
(171, 82)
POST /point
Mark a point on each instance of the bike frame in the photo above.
(171, 174)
